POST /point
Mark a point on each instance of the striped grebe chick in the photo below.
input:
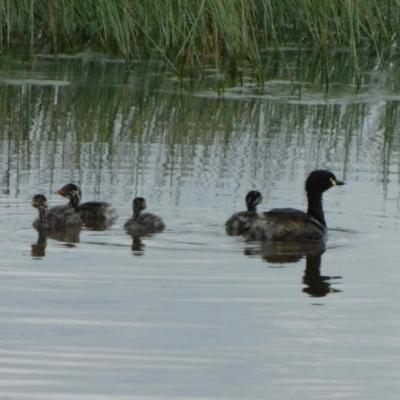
(241, 221)
(143, 222)
(55, 217)
(91, 211)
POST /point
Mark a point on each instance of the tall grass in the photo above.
(191, 34)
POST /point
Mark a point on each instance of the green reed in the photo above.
(193, 34)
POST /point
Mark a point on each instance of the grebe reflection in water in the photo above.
(274, 253)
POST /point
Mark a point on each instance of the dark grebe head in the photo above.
(253, 199)
(39, 201)
(321, 180)
(72, 192)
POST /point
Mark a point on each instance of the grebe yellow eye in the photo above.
(333, 181)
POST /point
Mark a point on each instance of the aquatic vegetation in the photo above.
(192, 34)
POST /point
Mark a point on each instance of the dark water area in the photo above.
(192, 312)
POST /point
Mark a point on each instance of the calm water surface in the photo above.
(192, 313)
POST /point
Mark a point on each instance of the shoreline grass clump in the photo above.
(190, 34)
